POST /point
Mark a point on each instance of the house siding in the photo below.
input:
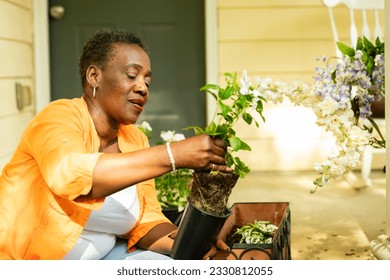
(16, 66)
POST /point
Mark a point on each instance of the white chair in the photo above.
(371, 28)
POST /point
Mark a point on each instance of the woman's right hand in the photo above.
(201, 152)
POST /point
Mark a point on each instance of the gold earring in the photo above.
(94, 92)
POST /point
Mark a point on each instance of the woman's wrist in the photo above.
(171, 159)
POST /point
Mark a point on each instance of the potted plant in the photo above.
(172, 190)
(206, 210)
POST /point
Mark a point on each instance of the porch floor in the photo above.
(337, 222)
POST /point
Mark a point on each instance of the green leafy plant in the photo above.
(238, 100)
(258, 232)
(172, 190)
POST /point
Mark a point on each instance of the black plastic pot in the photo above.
(173, 214)
(196, 234)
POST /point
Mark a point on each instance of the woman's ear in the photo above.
(93, 75)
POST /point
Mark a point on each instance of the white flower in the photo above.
(245, 83)
(145, 125)
(359, 136)
(178, 137)
(328, 106)
(337, 169)
(171, 136)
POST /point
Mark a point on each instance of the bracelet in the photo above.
(171, 159)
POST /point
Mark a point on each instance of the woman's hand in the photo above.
(159, 239)
(201, 152)
(219, 245)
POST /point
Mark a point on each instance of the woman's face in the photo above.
(124, 85)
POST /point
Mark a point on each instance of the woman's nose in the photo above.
(141, 88)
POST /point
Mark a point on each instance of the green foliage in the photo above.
(369, 50)
(258, 232)
(173, 190)
(232, 105)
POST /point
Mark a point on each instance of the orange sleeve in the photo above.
(150, 215)
(61, 141)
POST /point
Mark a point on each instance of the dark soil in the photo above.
(210, 191)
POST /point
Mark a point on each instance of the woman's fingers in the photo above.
(220, 168)
(211, 253)
(219, 245)
(173, 234)
(201, 152)
(219, 143)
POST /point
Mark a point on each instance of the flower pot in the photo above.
(173, 214)
(196, 233)
(277, 213)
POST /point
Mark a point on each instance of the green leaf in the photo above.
(259, 109)
(211, 128)
(222, 129)
(231, 76)
(368, 44)
(226, 93)
(359, 44)
(380, 46)
(229, 159)
(365, 57)
(247, 118)
(210, 88)
(245, 146)
(235, 143)
(197, 130)
(346, 50)
(225, 110)
(228, 118)
(334, 75)
(240, 168)
(370, 65)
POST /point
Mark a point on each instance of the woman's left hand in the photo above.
(219, 245)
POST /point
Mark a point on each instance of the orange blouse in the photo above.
(40, 215)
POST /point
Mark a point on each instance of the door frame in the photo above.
(41, 54)
(42, 47)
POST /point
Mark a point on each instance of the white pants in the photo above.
(119, 252)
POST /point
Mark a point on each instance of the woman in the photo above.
(80, 184)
